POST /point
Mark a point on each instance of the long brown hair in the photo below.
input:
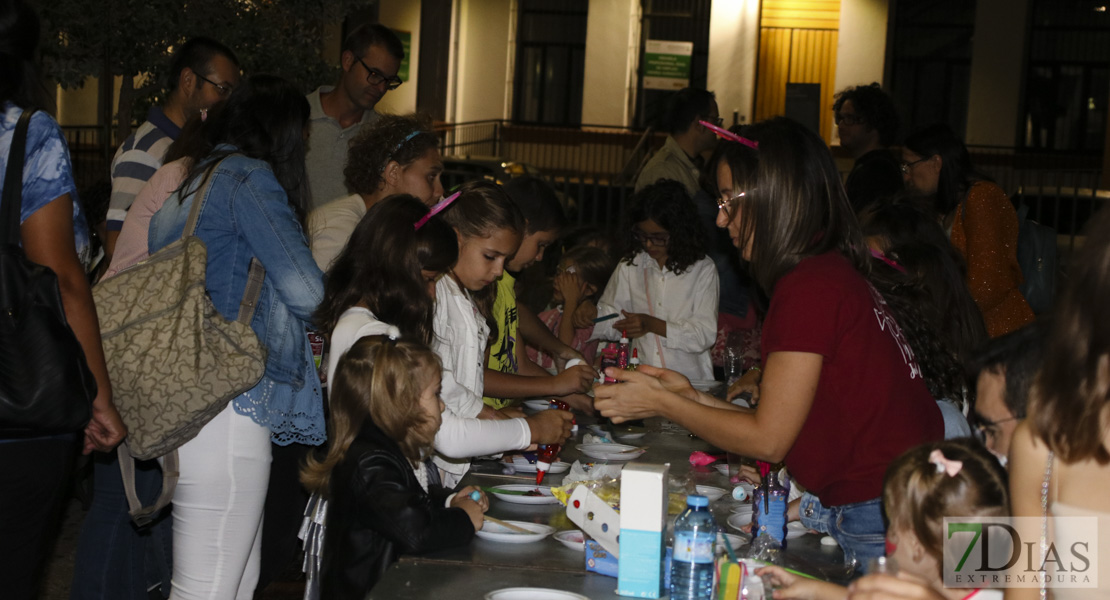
(795, 205)
(380, 379)
(1070, 396)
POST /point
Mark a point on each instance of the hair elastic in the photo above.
(392, 333)
(730, 136)
(442, 204)
(944, 465)
(884, 258)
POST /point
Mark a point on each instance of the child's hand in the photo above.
(748, 382)
(635, 325)
(578, 379)
(791, 587)
(584, 315)
(571, 286)
(889, 587)
(580, 402)
(550, 426)
(474, 509)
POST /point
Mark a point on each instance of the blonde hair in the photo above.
(917, 498)
(380, 379)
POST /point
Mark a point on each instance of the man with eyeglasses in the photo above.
(1005, 369)
(202, 73)
(371, 57)
(867, 123)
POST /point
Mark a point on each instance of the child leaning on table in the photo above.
(383, 498)
(582, 274)
(952, 478)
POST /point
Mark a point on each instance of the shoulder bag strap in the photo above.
(13, 181)
(170, 473)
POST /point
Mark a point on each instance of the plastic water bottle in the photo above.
(770, 504)
(695, 532)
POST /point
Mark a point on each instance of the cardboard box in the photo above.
(643, 517)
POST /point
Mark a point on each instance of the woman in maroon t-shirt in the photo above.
(841, 394)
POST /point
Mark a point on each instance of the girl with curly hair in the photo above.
(665, 289)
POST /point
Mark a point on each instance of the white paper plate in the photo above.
(546, 498)
(795, 529)
(611, 451)
(522, 593)
(631, 435)
(496, 533)
(537, 404)
(522, 465)
(735, 540)
(739, 520)
(713, 493)
(722, 468)
(598, 430)
(742, 509)
(572, 538)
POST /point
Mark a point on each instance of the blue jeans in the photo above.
(858, 527)
(115, 560)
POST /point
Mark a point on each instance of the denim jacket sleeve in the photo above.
(260, 211)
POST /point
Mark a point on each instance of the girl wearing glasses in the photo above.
(665, 289)
(841, 394)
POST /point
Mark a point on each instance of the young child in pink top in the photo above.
(582, 275)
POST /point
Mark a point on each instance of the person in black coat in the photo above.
(383, 501)
(867, 123)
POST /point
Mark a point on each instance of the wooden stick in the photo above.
(506, 524)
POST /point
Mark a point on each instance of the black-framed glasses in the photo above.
(847, 119)
(376, 77)
(223, 88)
(905, 166)
(655, 239)
(731, 202)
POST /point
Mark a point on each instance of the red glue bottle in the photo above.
(547, 456)
(622, 352)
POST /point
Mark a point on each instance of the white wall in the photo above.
(733, 56)
(861, 45)
(996, 71)
(482, 60)
(402, 16)
(612, 49)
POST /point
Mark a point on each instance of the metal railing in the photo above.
(90, 148)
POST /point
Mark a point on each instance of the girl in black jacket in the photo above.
(382, 499)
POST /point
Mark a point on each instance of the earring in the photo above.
(203, 115)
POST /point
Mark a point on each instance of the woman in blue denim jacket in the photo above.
(252, 210)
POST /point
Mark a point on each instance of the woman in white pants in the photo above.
(250, 213)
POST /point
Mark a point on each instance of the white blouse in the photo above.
(687, 302)
(457, 437)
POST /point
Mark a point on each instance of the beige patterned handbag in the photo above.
(173, 360)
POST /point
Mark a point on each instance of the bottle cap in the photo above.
(635, 356)
(697, 501)
(624, 337)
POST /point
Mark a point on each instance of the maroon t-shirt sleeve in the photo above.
(804, 315)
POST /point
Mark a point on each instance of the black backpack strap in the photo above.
(13, 181)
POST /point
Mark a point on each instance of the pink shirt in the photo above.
(131, 247)
(581, 343)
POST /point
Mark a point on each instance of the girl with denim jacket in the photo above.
(252, 209)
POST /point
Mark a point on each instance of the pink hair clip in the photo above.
(884, 258)
(730, 136)
(442, 204)
(952, 467)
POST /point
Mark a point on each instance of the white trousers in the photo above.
(217, 509)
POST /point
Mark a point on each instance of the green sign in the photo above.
(667, 64)
(406, 41)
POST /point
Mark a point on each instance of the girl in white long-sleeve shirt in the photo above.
(386, 276)
(665, 289)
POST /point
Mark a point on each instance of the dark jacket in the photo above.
(378, 511)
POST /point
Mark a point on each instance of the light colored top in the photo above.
(330, 227)
(687, 302)
(1063, 541)
(458, 437)
(460, 342)
(131, 247)
(327, 150)
(670, 162)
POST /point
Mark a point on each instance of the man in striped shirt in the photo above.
(202, 72)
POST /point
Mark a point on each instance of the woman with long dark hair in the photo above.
(980, 220)
(841, 394)
(252, 210)
(36, 470)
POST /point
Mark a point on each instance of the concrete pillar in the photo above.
(612, 51)
(402, 16)
(997, 71)
(733, 57)
(483, 55)
(861, 44)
